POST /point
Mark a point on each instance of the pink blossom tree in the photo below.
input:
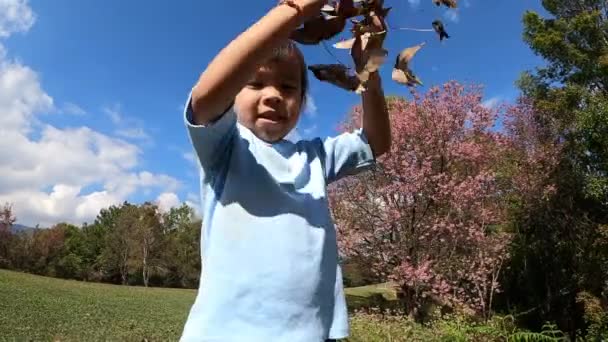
(429, 216)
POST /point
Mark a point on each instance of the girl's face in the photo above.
(269, 105)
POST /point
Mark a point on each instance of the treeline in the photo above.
(126, 244)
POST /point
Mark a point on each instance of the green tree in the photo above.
(116, 256)
(70, 263)
(571, 91)
(558, 248)
(181, 253)
(6, 237)
(146, 240)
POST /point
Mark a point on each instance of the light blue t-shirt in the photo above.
(270, 267)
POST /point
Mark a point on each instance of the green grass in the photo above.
(41, 308)
(387, 290)
(381, 296)
(35, 308)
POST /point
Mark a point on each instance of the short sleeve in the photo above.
(211, 142)
(347, 154)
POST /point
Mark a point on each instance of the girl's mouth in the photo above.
(272, 117)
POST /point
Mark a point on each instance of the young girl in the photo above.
(269, 254)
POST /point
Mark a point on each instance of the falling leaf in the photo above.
(366, 45)
(440, 29)
(336, 74)
(407, 54)
(405, 77)
(318, 29)
(368, 55)
(345, 9)
(329, 9)
(401, 71)
(448, 3)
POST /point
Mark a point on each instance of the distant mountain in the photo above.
(16, 228)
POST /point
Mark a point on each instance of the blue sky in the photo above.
(110, 78)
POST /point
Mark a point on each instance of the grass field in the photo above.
(44, 309)
(35, 308)
(41, 308)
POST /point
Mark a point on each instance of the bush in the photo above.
(370, 327)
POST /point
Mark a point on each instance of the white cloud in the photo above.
(20, 96)
(15, 16)
(311, 106)
(293, 136)
(62, 203)
(132, 133)
(58, 174)
(414, 3)
(126, 127)
(114, 113)
(190, 157)
(194, 202)
(167, 200)
(492, 102)
(452, 15)
(309, 131)
(73, 109)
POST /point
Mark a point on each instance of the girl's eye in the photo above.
(289, 87)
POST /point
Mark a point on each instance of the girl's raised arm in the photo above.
(232, 68)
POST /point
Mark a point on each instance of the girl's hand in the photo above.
(310, 8)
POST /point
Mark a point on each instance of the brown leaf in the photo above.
(370, 44)
(373, 22)
(401, 71)
(405, 77)
(406, 56)
(448, 3)
(375, 5)
(336, 74)
(318, 29)
(345, 9)
(330, 9)
(368, 55)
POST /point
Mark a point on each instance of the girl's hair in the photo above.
(289, 50)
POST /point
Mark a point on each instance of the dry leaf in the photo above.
(318, 29)
(363, 46)
(448, 3)
(440, 29)
(401, 71)
(345, 9)
(406, 56)
(330, 9)
(405, 77)
(336, 74)
(368, 55)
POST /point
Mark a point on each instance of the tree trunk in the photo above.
(146, 272)
(124, 269)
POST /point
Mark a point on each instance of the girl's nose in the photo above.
(271, 96)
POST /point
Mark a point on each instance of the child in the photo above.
(269, 254)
